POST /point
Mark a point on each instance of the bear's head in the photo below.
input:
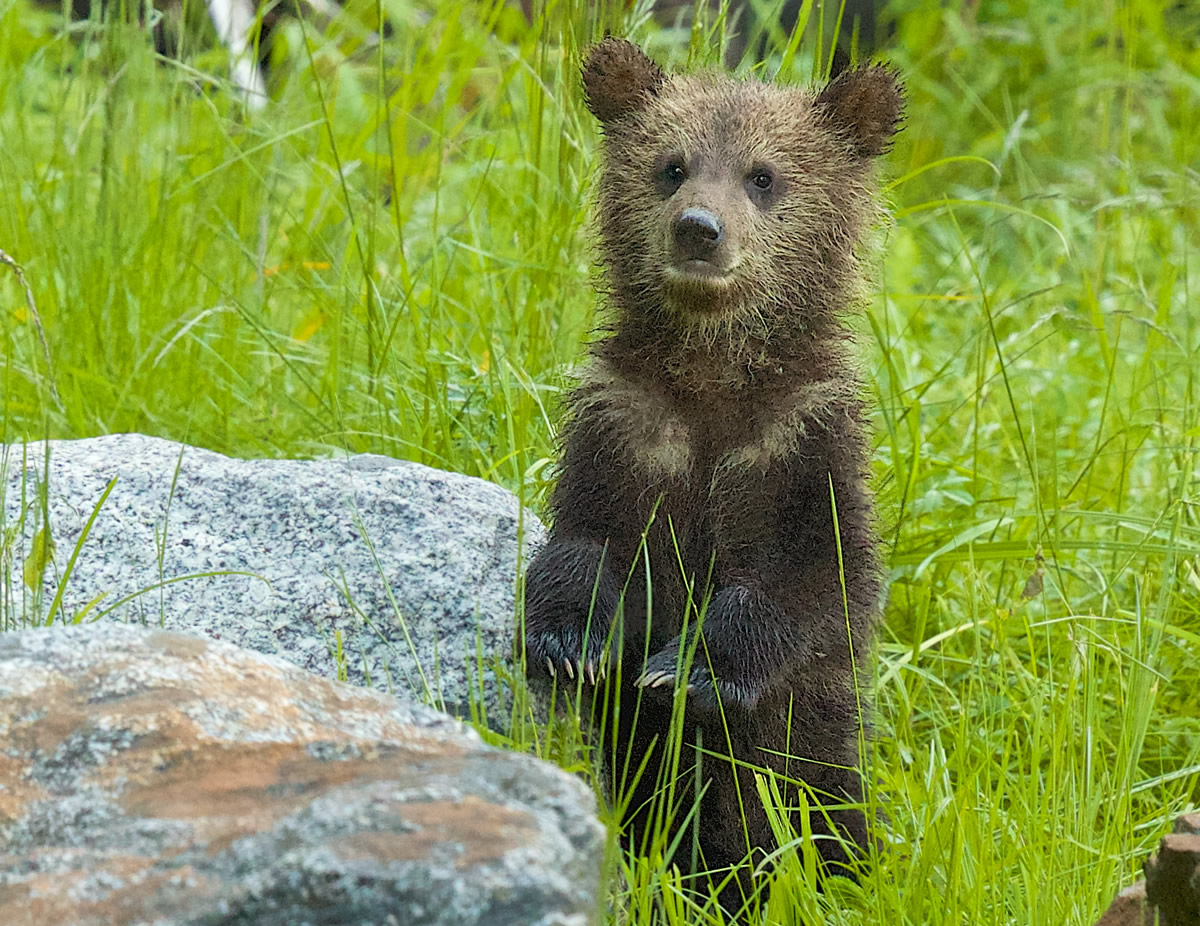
(728, 199)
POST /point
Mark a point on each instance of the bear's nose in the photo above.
(697, 233)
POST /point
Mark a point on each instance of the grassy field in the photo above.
(392, 257)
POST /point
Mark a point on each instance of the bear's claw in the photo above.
(560, 653)
(655, 679)
(704, 692)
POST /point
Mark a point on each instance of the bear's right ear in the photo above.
(866, 105)
(619, 79)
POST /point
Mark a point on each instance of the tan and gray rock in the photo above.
(1129, 908)
(1170, 893)
(373, 570)
(149, 777)
(1173, 874)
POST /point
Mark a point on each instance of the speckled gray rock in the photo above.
(410, 570)
(155, 777)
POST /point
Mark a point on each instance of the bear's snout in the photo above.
(697, 234)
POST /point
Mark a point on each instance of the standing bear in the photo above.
(712, 539)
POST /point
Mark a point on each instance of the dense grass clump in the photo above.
(392, 257)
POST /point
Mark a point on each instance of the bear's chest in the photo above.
(690, 447)
(686, 442)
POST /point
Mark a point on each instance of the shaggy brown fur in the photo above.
(713, 421)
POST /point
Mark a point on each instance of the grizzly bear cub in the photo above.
(714, 471)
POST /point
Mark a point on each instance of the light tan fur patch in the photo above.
(659, 440)
(783, 427)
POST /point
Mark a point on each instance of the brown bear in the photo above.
(714, 469)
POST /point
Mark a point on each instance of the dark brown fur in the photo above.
(713, 420)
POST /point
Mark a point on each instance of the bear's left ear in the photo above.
(867, 105)
(619, 79)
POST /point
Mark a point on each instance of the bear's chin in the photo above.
(701, 289)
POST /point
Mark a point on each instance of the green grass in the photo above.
(393, 258)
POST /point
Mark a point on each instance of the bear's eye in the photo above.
(672, 175)
(762, 179)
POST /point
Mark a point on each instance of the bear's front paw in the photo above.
(703, 691)
(575, 651)
(570, 599)
(662, 667)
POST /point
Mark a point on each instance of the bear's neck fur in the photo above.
(799, 336)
